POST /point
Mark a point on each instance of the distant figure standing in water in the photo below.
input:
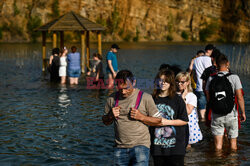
(63, 66)
(54, 64)
(112, 65)
(74, 65)
(96, 69)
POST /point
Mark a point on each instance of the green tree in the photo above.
(208, 31)
(114, 21)
(16, 10)
(34, 22)
(169, 37)
(184, 35)
(55, 9)
(136, 38)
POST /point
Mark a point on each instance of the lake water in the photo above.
(48, 124)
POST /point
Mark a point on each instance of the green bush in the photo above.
(169, 38)
(136, 38)
(127, 38)
(208, 31)
(184, 35)
(13, 28)
(5, 27)
(103, 22)
(34, 22)
(120, 33)
(16, 10)
(171, 23)
(113, 22)
(55, 9)
(221, 40)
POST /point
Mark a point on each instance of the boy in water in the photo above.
(112, 65)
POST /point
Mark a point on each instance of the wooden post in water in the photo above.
(61, 39)
(88, 49)
(54, 39)
(83, 45)
(99, 37)
(44, 49)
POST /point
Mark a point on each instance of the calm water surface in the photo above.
(48, 124)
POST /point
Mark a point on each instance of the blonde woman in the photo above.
(184, 89)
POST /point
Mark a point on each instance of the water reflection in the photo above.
(239, 58)
(63, 98)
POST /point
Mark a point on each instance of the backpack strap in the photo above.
(213, 74)
(138, 100)
(228, 74)
(116, 99)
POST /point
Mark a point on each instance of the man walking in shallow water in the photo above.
(132, 138)
(112, 65)
(228, 121)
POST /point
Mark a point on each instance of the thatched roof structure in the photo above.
(71, 22)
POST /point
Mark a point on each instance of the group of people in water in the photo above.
(62, 64)
(166, 122)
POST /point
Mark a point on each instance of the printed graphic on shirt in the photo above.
(165, 136)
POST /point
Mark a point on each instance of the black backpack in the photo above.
(221, 95)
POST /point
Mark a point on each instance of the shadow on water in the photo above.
(49, 124)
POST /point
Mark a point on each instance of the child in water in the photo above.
(168, 143)
(184, 89)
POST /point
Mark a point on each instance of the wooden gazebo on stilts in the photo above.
(72, 22)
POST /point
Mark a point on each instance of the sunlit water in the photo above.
(49, 124)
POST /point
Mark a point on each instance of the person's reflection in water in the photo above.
(63, 98)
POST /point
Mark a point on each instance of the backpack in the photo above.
(221, 95)
(138, 100)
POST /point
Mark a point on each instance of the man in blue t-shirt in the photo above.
(112, 65)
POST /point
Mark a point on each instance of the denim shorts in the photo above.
(138, 155)
(229, 122)
(74, 72)
(201, 100)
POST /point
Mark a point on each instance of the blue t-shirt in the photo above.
(74, 61)
(111, 56)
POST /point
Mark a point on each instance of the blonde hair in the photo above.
(187, 77)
